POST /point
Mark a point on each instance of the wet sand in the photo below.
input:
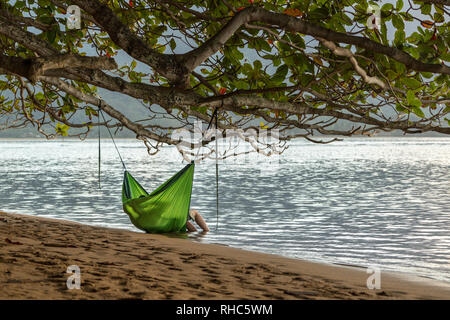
(119, 264)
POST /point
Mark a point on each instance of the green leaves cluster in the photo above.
(261, 59)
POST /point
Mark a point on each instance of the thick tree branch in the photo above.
(168, 65)
(27, 39)
(15, 65)
(42, 64)
(33, 68)
(169, 98)
(197, 56)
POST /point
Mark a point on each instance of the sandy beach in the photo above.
(119, 264)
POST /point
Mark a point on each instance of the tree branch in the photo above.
(27, 39)
(42, 64)
(137, 128)
(442, 2)
(33, 68)
(348, 54)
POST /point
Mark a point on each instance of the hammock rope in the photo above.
(214, 117)
(110, 134)
(99, 150)
(217, 179)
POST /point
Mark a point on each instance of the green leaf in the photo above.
(418, 112)
(280, 74)
(39, 96)
(412, 99)
(414, 52)
(51, 36)
(261, 44)
(319, 13)
(387, 7)
(172, 44)
(302, 63)
(257, 65)
(62, 129)
(46, 19)
(19, 4)
(427, 75)
(397, 22)
(426, 8)
(438, 17)
(412, 83)
(400, 108)
(399, 37)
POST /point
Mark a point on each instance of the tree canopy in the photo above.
(302, 67)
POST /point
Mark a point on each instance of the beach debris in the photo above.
(12, 242)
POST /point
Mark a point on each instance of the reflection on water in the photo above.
(379, 201)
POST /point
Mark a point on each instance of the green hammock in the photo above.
(167, 208)
(164, 210)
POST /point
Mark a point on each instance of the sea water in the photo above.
(382, 201)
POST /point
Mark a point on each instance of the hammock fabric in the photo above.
(164, 210)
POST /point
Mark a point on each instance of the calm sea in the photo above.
(364, 201)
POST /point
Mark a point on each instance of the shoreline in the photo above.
(120, 264)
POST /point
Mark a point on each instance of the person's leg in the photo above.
(199, 220)
(190, 227)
